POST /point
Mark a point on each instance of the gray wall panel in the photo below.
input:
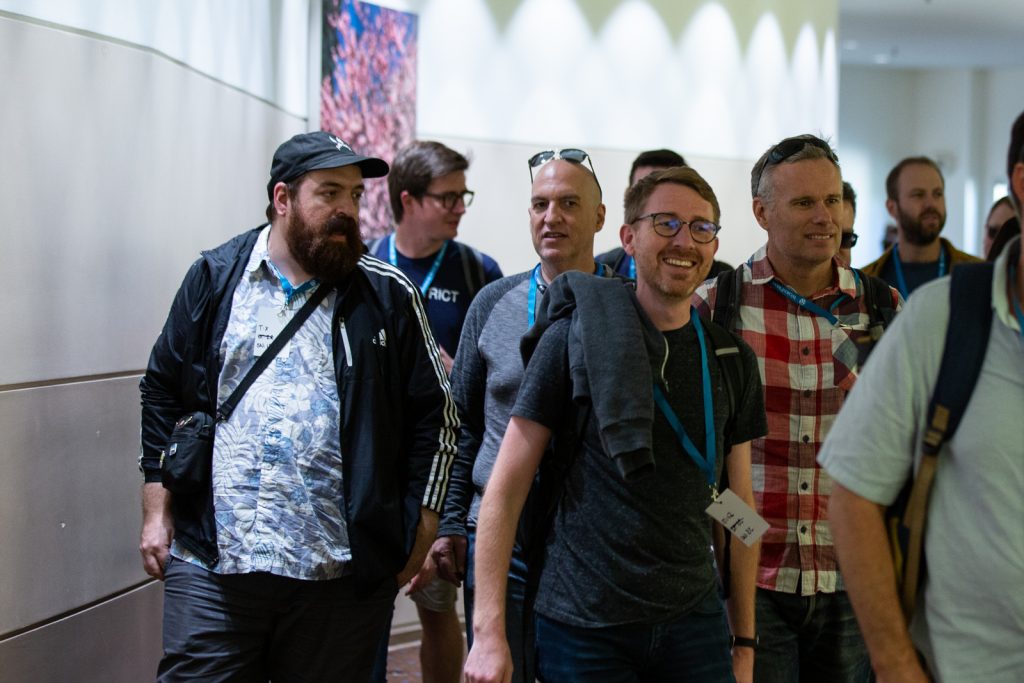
(116, 640)
(118, 167)
(69, 497)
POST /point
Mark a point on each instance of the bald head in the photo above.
(565, 214)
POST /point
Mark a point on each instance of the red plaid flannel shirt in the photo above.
(807, 366)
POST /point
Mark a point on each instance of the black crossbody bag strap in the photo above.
(228, 407)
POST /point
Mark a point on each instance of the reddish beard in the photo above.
(914, 230)
(314, 248)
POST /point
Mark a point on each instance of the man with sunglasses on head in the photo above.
(809, 318)
(628, 589)
(916, 200)
(565, 213)
(848, 239)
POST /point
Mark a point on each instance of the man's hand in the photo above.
(489, 661)
(743, 664)
(449, 556)
(426, 530)
(157, 529)
(447, 360)
(424, 576)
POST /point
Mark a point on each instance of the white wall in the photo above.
(959, 117)
(717, 81)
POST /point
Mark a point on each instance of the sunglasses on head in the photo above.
(576, 156)
(789, 147)
(848, 240)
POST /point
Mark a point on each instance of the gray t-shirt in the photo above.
(970, 623)
(639, 551)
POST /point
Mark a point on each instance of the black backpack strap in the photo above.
(472, 268)
(970, 322)
(728, 287)
(879, 300)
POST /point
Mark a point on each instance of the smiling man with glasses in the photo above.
(627, 590)
(811, 319)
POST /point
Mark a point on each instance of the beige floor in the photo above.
(404, 664)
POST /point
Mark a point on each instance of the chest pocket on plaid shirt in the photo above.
(849, 349)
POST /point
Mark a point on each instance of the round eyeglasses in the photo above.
(450, 199)
(669, 225)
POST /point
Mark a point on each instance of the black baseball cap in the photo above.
(307, 152)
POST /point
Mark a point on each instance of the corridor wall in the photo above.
(134, 134)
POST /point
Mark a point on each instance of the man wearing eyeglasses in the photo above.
(916, 200)
(565, 212)
(427, 188)
(807, 316)
(848, 239)
(628, 589)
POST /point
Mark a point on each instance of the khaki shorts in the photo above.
(436, 596)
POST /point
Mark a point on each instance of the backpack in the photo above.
(970, 299)
(729, 286)
(472, 263)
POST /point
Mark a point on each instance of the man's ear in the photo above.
(626, 236)
(890, 206)
(1017, 186)
(281, 199)
(600, 217)
(760, 213)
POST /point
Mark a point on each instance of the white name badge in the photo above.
(738, 517)
(269, 323)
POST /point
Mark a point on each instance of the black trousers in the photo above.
(259, 627)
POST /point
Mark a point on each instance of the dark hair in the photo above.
(849, 195)
(892, 181)
(416, 166)
(293, 191)
(638, 194)
(661, 158)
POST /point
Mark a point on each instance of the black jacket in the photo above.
(399, 427)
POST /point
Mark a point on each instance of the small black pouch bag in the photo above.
(186, 461)
(186, 465)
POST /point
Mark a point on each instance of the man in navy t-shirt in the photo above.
(428, 198)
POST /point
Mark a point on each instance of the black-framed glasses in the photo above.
(669, 225)
(450, 199)
(848, 240)
(576, 156)
(788, 148)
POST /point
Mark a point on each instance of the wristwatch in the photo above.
(739, 641)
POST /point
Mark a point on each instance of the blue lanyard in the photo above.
(901, 284)
(1013, 297)
(429, 279)
(632, 267)
(290, 291)
(806, 304)
(531, 297)
(705, 462)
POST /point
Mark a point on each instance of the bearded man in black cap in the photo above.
(282, 558)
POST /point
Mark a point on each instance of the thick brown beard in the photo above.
(913, 230)
(325, 259)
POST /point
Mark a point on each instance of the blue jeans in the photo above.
(519, 624)
(693, 647)
(259, 626)
(813, 638)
